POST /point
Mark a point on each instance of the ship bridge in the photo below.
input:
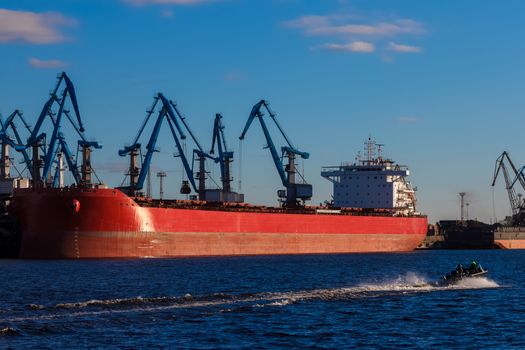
(371, 183)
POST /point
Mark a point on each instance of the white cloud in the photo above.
(404, 48)
(377, 29)
(166, 2)
(306, 22)
(362, 34)
(32, 27)
(38, 63)
(332, 25)
(355, 46)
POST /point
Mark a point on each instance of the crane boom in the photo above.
(165, 113)
(57, 140)
(183, 120)
(294, 191)
(516, 204)
(6, 140)
(69, 90)
(225, 157)
(49, 156)
(168, 111)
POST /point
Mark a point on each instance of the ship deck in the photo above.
(246, 207)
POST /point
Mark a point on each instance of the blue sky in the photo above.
(439, 82)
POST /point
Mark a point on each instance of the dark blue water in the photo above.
(320, 301)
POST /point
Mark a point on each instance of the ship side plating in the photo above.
(106, 223)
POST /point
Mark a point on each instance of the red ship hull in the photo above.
(510, 238)
(105, 223)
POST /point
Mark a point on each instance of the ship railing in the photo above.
(245, 207)
(510, 229)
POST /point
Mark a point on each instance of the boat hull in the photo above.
(105, 223)
(510, 238)
(469, 234)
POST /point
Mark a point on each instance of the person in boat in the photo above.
(459, 270)
(475, 268)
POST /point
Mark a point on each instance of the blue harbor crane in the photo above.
(57, 143)
(18, 144)
(516, 202)
(520, 177)
(198, 154)
(168, 111)
(294, 191)
(224, 158)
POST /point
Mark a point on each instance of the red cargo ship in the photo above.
(87, 220)
(106, 223)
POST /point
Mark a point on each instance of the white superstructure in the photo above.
(372, 183)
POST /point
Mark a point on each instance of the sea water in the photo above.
(314, 301)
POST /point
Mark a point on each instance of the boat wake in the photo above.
(416, 283)
(8, 331)
(407, 284)
(476, 283)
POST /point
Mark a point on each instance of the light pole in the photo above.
(462, 195)
(161, 175)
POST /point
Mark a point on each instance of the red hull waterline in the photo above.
(510, 244)
(105, 223)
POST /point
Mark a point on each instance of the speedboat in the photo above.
(460, 275)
